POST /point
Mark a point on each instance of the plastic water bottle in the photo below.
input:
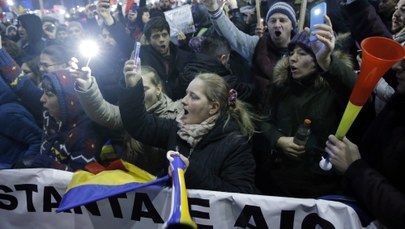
(303, 132)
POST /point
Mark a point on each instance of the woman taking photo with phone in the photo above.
(310, 83)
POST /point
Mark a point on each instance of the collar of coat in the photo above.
(282, 71)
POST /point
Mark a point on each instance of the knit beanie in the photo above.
(283, 8)
(301, 39)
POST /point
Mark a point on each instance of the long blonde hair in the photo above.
(216, 89)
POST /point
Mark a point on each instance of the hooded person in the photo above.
(309, 83)
(77, 140)
(261, 52)
(70, 139)
(30, 32)
(16, 147)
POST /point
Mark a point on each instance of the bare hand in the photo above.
(287, 145)
(83, 76)
(260, 29)
(181, 36)
(232, 4)
(183, 158)
(325, 44)
(103, 9)
(132, 74)
(89, 10)
(341, 153)
(212, 5)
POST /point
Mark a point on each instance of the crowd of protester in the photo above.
(228, 97)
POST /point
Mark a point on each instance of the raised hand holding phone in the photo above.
(137, 50)
(325, 43)
(132, 71)
(316, 17)
(82, 76)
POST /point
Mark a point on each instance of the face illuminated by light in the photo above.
(280, 28)
(301, 63)
(47, 64)
(76, 32)
(151, 90)
(51, 103)
(197, 107)
(398, 18)
(160, 41)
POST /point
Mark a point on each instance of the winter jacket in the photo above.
(321, 98)
(221, 161)
(22, 86)
(76, 141)
(265, 58)
(20, 137)
(108, 115)
(259, 51)
(124, 42)
(377, 179)
(243, 43)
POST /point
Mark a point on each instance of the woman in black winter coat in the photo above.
(213, 132)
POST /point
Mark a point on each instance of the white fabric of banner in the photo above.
(29, 198)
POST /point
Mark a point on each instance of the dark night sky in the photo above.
(48, 4)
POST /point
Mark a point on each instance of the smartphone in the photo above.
(137, 49)
(316, 17)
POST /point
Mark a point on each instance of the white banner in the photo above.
(180, 19)
(29, 198)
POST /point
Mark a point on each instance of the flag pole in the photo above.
(303, 10)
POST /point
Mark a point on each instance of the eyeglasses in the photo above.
(46, 65)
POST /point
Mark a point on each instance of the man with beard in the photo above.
(262, 52)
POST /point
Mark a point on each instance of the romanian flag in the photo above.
(103, 182)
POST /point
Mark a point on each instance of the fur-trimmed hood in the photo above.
(282, 72)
